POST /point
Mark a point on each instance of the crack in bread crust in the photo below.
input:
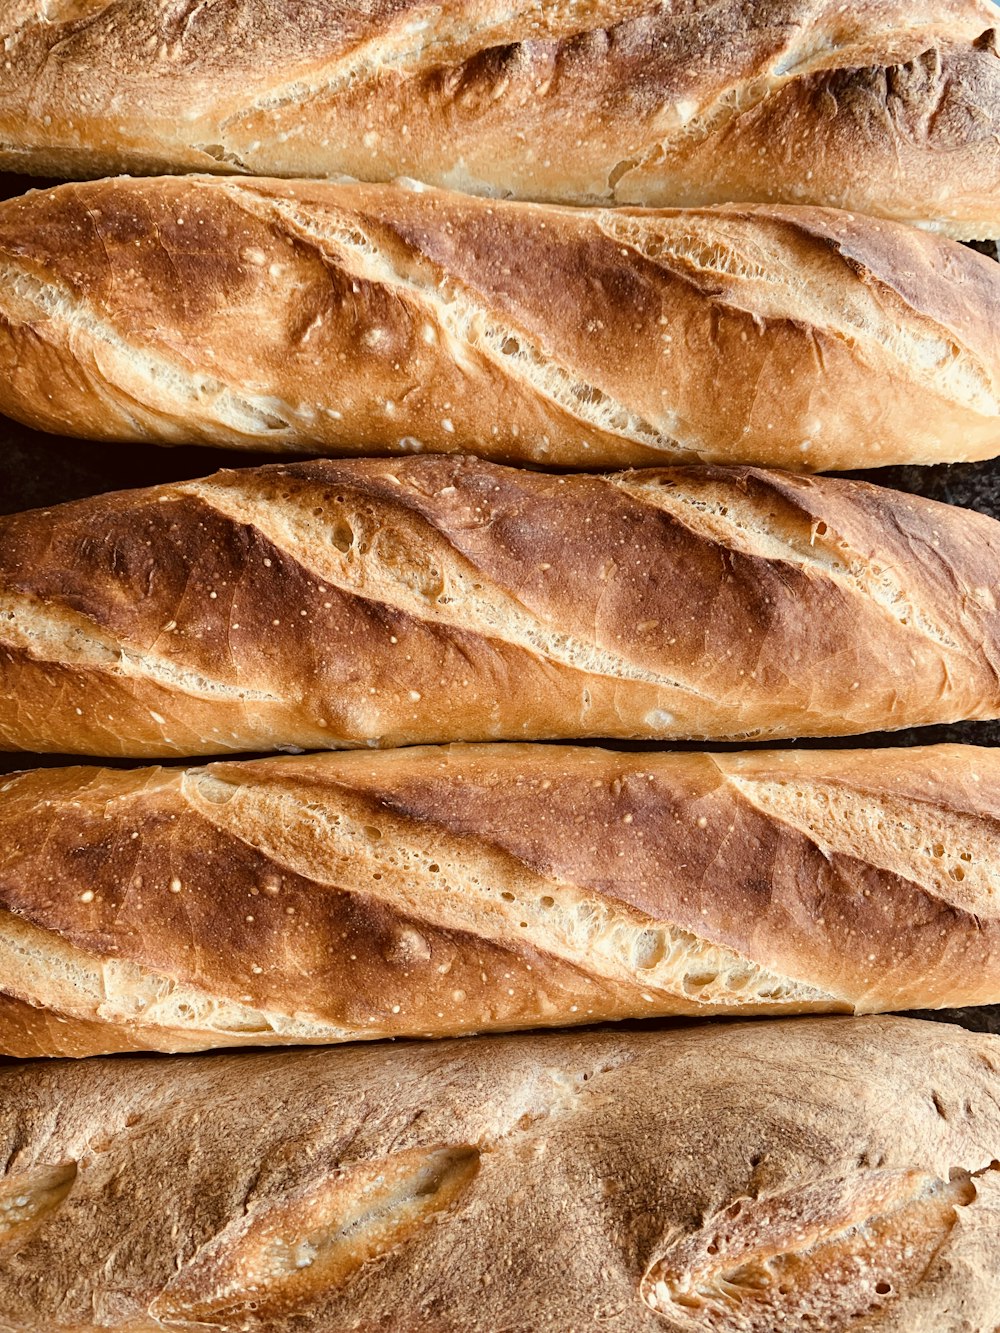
(29, 1198)
(318, 1238)
(471, 327)
(129, 998)
(333, 843)
(811, 544)
(134, 376)
(456, 593)
(758, 274)
(76, 641)
(952, 854)
(750, 1266)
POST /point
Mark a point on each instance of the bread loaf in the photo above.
(442, 891)
(381, 602)
(351, 319)
(890, 107)
(740, 1178)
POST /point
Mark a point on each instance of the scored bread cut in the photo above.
(890, 107)
(345, 319)
(444, 891)
(393, 602)
(827, 1174)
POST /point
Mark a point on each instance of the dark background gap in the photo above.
(38, 470)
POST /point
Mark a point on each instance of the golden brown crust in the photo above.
(736, 1178)
(326, 604)
(890, 107)
(923, 121)
(445, 891)
(394, 320)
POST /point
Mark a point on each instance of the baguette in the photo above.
(437, 892)
(891, 107)
(377, 602)
(388, 320)
(741, 1178)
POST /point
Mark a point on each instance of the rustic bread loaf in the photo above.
(890, 107)
(391, 602)
(741, 1178)
(351, 319)
(436, 892)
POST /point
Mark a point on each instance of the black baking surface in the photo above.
(38, 470)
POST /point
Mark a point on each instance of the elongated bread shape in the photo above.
(443, 891)
(828, 1174)
(351, 318)
(389, 602)
(891, 107)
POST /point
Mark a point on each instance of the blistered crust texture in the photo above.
(891, 107)
(330, 605)
(833, 1175)
(374, 319)
(445, 891)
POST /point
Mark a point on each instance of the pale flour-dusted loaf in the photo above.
(826, 1174)
(351, 319)
(390, 602)
(444, 891)
(890, 107)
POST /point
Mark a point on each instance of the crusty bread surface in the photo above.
(340, 319)
(738, 1178)
(390, 602)
(891, 107)
(448, 890)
